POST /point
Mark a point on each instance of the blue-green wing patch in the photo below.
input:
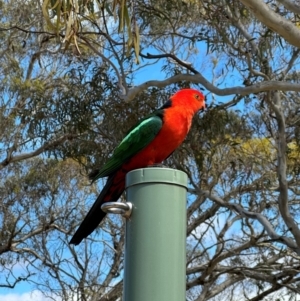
(138, 138)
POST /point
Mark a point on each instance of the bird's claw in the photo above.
(158, 165)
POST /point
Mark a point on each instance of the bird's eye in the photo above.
(197, 96)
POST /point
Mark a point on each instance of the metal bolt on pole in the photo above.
(155, 247)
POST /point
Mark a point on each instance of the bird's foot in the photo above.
(158, 165)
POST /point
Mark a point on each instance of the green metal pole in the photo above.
(155, 246)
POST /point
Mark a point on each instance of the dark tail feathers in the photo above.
(94, 216)
(93, 174)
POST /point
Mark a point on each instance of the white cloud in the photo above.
(28, 296)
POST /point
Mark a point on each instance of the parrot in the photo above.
(151, 141)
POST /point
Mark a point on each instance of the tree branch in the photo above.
(48, 145)
(282, 168)
(199, 79)
(170, 56)
(274, 21)
(291, 6)
(253, 215)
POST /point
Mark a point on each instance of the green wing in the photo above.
(138, 138)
